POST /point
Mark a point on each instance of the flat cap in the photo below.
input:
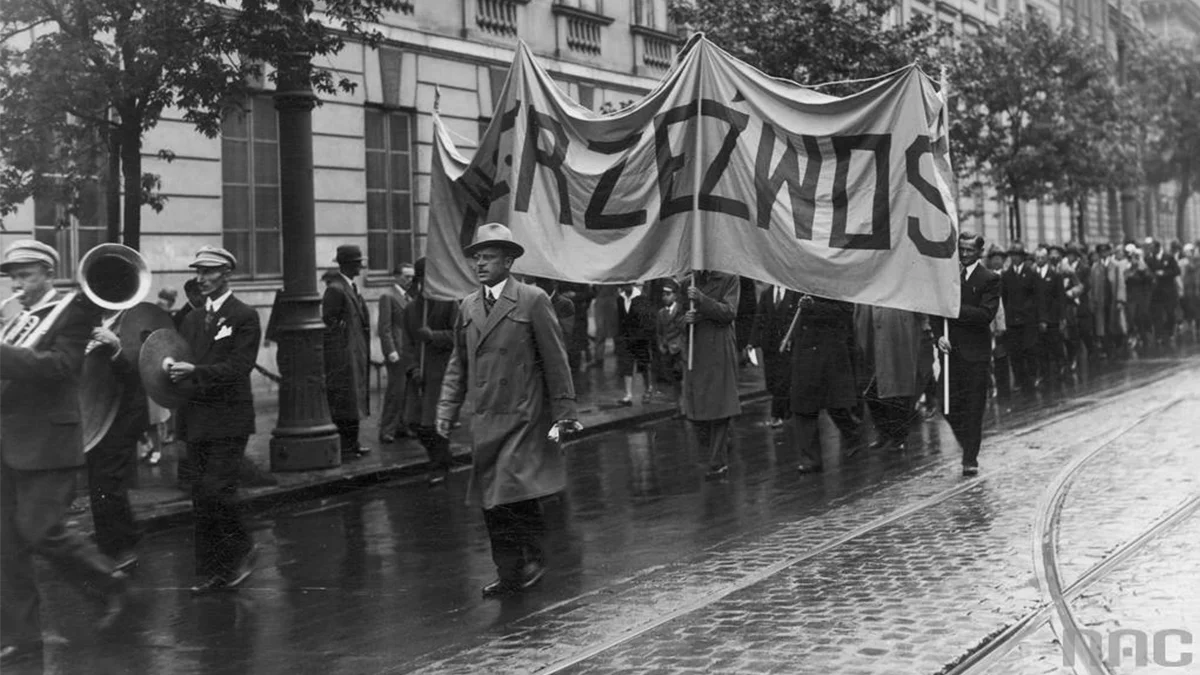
(213, 256)
(25, 251)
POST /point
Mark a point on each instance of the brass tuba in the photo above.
(114, 276)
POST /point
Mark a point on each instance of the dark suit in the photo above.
(1051, 311)
(430, 356)
(1164, 297)
(970, 352)
(391, 322)
(1019, 291)
(823, 375)
(771, 323)
(112, 463)
(216, 422)
(347, 357)
(41, 446)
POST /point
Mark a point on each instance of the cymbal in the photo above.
(99, 397)
(137, 323)
(162, 344)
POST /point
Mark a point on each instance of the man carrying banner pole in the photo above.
(710, 395)
(967, 340)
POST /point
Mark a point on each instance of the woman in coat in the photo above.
(710, 393)
(823, 376)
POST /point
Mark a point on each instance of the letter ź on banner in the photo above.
(844, 198)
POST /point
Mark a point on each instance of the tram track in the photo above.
(1055, 609)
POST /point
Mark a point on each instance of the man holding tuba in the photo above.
(41, 446)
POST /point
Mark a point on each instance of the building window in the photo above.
(250, 188)
(650, 14)
(71, 234)
(389, 189)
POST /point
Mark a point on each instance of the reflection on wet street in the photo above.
(884, 563)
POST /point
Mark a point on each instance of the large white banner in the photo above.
(721, 168)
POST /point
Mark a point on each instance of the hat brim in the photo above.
(511, 246)
(6, 266)
(209, 265)
(361, 259)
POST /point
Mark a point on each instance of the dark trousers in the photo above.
(808, 432)
(391, 418)
(892, 415)
(516, 531)
(112, 469)
(1002, 375)
(778, 375)
(437, 447)
(1050, 353)
(221, 539)
(32, 506)
(968, 399)
(712, 437)
(1021, 343)
(348, 431)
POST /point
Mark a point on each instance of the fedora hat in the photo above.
(1017, 248)
(494, 234)
(348, 253)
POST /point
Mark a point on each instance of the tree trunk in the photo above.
(1015, 223)
(131, 164)
(112, 188)
(1082, 218)
(1181, 201)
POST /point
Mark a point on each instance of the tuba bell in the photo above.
(114, 276)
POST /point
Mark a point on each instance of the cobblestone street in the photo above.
(884, 564)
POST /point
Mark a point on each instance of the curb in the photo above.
(176, 513)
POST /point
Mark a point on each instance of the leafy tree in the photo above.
(1164, 88)
(814, 41)
(1034, 110)
(79, 99)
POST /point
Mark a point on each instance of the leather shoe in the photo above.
(387, 438)
(350, 455)
(244, 569)
(533, 575)
(809, 468)
(878, 443)
(214, 584)
(970, 471)
(717, 472)
(116, 600)
(500, 588)
(20, 652)
(437, 477)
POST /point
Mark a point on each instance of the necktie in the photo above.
(488, 302)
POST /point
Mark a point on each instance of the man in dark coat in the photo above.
(969, 344)
(41, 446)
(889, 344)
(636, 327)
(347, 354)
(823, 377)
(112, 463)
(392, 421)
(710, 390)
(1019, 292)
(670, 333)
(218, 419)
(509, 356)
(428, 332)
(580, 295)
(743, 325)
(1164, 294)
(775, 311)
(1051, 310)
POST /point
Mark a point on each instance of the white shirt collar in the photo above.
(215, 305)
(349, 281)
(971, 269)
(494, 291)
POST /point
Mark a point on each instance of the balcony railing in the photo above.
(498, 17)
(656, 51)
(585, 29)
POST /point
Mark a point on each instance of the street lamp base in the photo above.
(306, 453)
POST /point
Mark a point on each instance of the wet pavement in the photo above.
(886, 563)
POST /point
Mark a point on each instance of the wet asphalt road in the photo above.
(646, 557)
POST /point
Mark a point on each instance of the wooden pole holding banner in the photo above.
(792, 328)
(946, 370)
(424, 324)
(697, 244)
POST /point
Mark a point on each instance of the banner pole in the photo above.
(697, 244)
(946, 370)
(424, 324)
(791, 329)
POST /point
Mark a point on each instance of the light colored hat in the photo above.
(494, 234)
(24, 251)
(213, 256)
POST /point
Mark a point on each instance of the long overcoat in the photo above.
(513, 365)
(423, 394)
(710, 390)
(771, 323)
(822, 364)
(347, 349)
(889, 342)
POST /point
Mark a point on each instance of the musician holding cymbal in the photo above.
(41, 446)
(218, 418)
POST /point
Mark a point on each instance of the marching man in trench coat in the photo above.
(347, 351)
(889, 347)
(509, 357)
(710, 395)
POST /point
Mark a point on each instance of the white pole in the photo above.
(697, 244)
(946, 370)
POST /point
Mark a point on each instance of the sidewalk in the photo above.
(159, 503)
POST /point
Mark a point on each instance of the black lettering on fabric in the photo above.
(594, 217)
(668, 164)
(767, 183)
(947, 247)
(532, 154)
(737, 123)
(879, 238)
